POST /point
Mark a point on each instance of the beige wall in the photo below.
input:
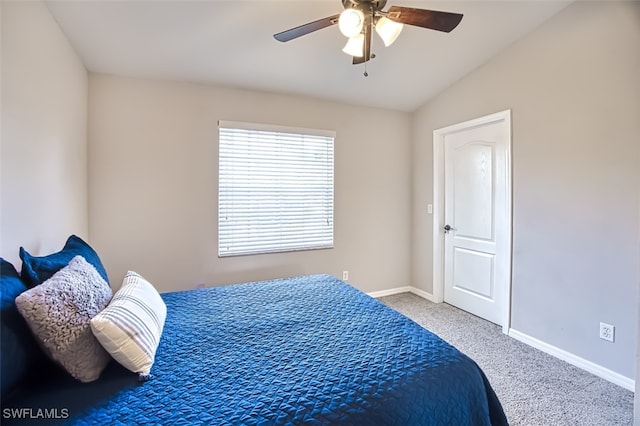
(574, 91)
(153, 184)
(43, 188)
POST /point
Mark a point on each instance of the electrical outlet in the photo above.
(345, 275)
(607, 332)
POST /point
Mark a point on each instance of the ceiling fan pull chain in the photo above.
(368, 41)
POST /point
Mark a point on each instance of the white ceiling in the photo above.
(231, 43)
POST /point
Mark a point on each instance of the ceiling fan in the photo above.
(360, 17)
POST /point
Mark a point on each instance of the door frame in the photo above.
(438, 209)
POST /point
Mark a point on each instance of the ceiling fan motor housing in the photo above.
(364, 5)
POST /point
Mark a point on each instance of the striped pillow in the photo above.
(131, 326)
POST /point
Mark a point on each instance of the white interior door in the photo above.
(475, 225)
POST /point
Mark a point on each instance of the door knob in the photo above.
(447, 228)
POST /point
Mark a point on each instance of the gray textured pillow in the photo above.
(58, 312)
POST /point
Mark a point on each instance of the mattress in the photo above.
(302, 350)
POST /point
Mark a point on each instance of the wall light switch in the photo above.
(430, 208)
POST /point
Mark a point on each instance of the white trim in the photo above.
(398, 290)
(243, 125)
(575, 360)
(422, 294)
(438, 208)
(390, 292)
(438, 217)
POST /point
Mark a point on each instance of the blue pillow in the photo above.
(20, 353)
(36, 270)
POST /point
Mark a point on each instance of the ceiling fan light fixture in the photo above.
(355, 46)
(351, 22)
(388, 30)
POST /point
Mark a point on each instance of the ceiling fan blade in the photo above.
(367, 48)
(431, 19)
(306, 28)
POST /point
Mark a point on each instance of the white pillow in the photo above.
(131, 326)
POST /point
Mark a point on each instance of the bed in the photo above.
(301, 350)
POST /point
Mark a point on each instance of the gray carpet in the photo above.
(535, 389)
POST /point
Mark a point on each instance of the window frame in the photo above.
(289, 140)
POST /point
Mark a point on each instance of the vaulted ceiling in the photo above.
(231, 43)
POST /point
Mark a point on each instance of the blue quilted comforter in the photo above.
(304, 350)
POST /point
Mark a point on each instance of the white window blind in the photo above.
(275, 189)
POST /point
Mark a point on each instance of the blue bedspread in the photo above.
(304, 350)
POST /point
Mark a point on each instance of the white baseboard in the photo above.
(421, 293)
(398, 290)
(579, 362)
(390, 292)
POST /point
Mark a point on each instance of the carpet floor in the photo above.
(536, 389)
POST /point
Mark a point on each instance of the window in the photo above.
(275, 189)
